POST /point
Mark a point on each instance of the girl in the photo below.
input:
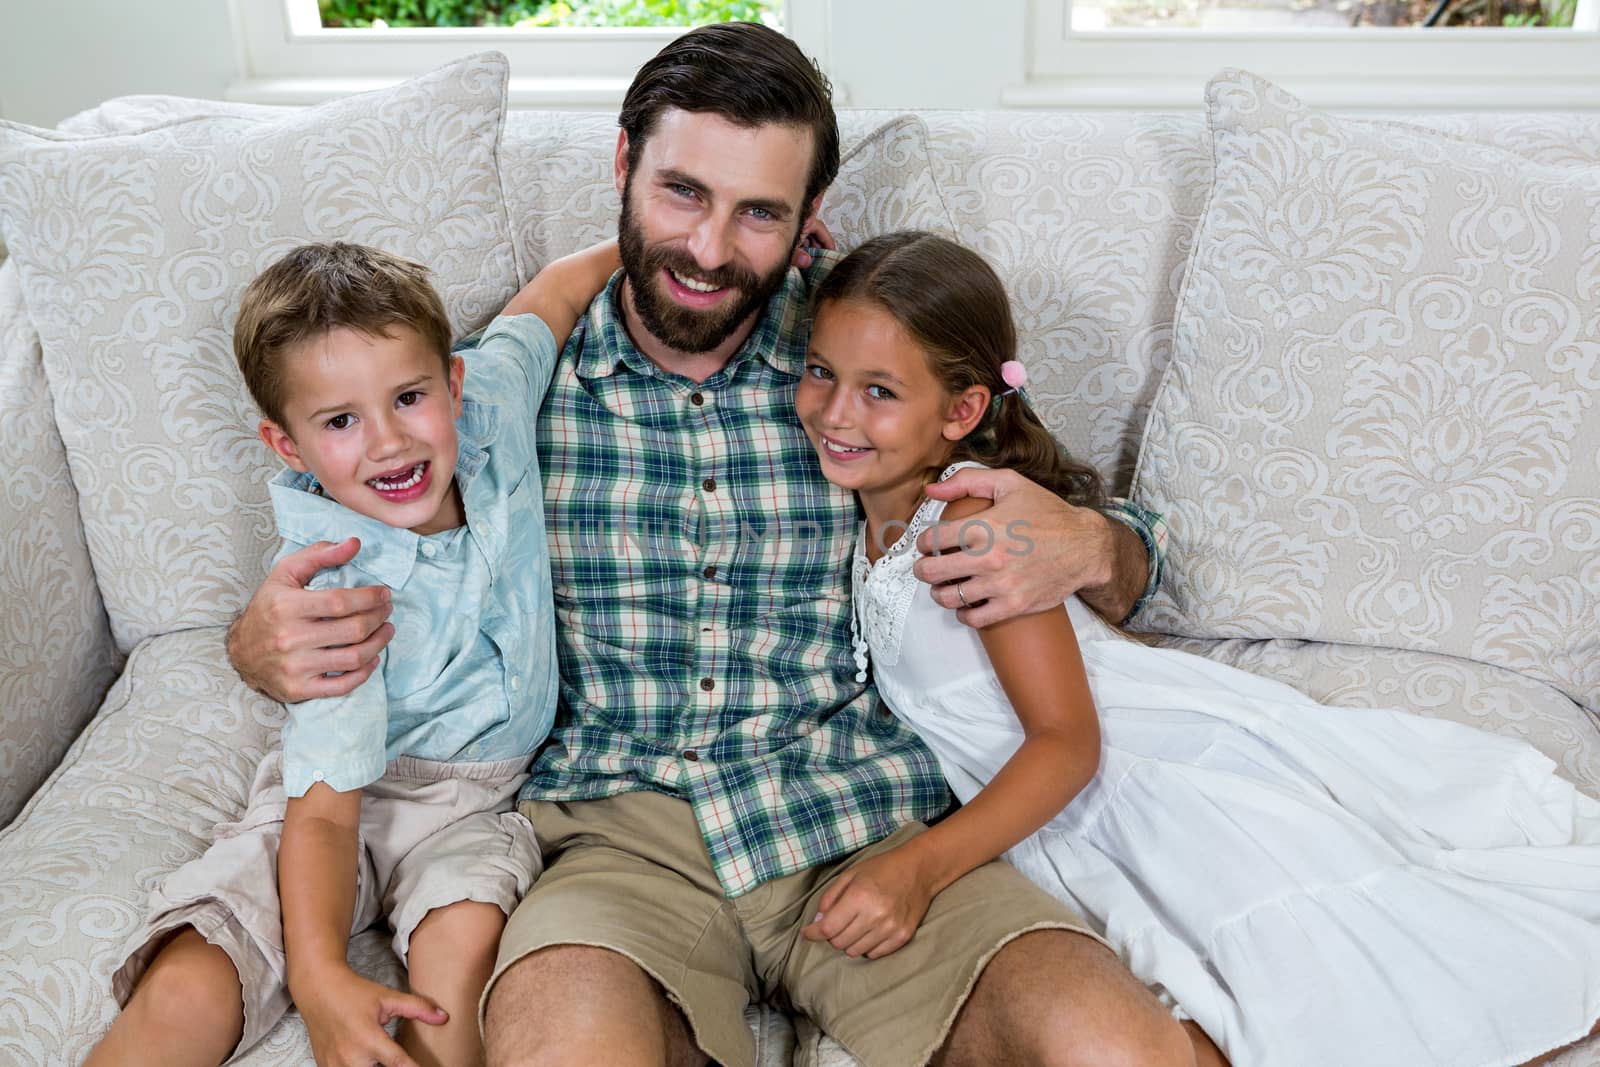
(1311, 886)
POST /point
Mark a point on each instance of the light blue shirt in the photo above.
(471, 673)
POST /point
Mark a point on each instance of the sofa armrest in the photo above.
(56, 654)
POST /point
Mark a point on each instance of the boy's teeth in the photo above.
(841, 448)
(404, 481)
(697, 286)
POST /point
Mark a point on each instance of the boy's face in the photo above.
(373, 418)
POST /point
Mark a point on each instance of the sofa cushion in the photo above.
(133, 249)
(1377, 424)
(170, 755)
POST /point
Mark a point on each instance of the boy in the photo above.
(346, 350)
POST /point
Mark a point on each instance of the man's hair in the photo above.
(745, 73)
(319, 287)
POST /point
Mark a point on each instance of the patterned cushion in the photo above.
(133, 249)
(1375, 427)
(56, 656)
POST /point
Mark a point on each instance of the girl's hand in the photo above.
(814, 234)
(873, 908)
(344, 1014)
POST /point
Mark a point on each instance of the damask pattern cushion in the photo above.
(133, 249)
(1378, 426)
(56, 656)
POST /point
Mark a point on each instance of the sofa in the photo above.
(1210, 348)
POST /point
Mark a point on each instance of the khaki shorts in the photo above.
(431, 834)
(630, 873)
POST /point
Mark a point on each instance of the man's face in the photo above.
(711, 213)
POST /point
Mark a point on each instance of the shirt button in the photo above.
(318, 776)
(429, 548)
(711, 571)
(516, 683)
(709, 485)
(691, 754)
(707, 684)
(696, 399)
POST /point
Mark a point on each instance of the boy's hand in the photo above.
(873, 908)
(344, 1013)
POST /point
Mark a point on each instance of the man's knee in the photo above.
(1053, 997)
(576, 1004)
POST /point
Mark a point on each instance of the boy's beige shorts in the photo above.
(629, 873)
(431, 834)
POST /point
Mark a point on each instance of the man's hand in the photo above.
(873, 908)
(344, 1014)
(289, 637)
(1040, 551)
(814, 234)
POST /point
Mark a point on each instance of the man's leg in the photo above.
(587, 1007)
(625, 951)
(999, 972)
(1054, 997)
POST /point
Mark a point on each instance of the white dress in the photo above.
(1312, 885)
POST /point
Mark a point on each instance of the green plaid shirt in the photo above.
(700, 564)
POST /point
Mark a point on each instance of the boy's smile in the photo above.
(373, 418)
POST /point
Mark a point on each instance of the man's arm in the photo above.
(1041, 551)
(289, 640)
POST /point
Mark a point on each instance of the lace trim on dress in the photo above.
(881, 592)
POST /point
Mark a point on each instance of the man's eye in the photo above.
(409, 397)
(761, 214)
(681, 190)
(339, 422)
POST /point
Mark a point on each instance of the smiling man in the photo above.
(718, 761)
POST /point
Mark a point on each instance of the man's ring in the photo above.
(961, 594)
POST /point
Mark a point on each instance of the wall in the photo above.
(57, 58)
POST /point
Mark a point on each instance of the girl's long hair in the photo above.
(953, 305)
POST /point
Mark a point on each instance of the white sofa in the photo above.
(123, 739)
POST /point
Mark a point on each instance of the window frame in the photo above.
(1448, 69)
(286, 57)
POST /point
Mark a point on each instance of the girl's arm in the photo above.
(874, 907)
(344, 1013)
(561, 292)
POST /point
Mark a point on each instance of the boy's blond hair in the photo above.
(318, 287)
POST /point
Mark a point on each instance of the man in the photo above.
(716, 764)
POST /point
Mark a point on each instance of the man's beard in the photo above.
(680, 328)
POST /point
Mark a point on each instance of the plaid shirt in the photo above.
(701, 568)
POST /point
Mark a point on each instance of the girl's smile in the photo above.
(873, 409)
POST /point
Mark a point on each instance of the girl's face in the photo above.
(869, 401)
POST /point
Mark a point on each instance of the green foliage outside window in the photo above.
(524, 14)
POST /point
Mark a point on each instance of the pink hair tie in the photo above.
(1013, 374)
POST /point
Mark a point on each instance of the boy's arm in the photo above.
(317, 879)
(561, 292)
(343, 1012)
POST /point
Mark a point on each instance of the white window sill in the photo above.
(575, 93)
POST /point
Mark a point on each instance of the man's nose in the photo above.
(711, 242)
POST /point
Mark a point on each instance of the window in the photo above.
(1158, 53)
(288, 56)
